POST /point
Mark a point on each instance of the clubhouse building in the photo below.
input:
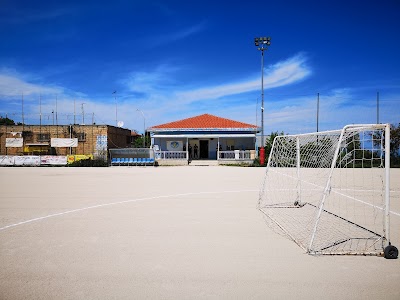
(204, 137)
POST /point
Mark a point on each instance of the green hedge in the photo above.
(89, 163)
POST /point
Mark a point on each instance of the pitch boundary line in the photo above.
(115, 203)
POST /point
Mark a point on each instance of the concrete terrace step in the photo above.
(203, 163)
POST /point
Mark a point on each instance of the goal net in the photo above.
(329, 191)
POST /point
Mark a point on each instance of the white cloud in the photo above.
(151, 82)
(177, 35)
(163, 100)
(283, 73)
(12, 85)
(280, 74)
(21, 16)
(287, 72)
(186, 32)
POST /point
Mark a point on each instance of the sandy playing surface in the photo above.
(165, 233)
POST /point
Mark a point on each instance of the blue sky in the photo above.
(178, 59)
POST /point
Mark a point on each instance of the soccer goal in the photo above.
(329, 191)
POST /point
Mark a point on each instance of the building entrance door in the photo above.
(204, 149)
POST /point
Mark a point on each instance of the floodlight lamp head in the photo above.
(256, 42)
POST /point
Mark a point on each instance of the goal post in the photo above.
(329, 191)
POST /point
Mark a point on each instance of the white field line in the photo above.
(366, 203)
(114, 203)
(344, 195)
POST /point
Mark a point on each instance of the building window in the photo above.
(81, 136)
(43, 137)
(27, 135)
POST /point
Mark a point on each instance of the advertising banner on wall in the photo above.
(101, 142)
(6, 160)
(14, 142)
(59, 142)
(73, 158)
(174, 145)
(53, 160)
(27, 160)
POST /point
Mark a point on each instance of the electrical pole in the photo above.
(116, 108)
(317, 111)
(23, 120)
(144, 128)
(83, 114)
(377, 107)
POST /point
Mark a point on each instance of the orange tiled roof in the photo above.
(134, 133)
(205, 121)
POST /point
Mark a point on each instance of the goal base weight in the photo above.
(391, 252)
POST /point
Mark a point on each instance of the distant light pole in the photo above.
(83, 113)
(144, 128)
(377, 107)
(262, 43)
(116, 108)
(317, 112)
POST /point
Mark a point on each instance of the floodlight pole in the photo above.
(262, 97)
(144, 128)
(261, 43)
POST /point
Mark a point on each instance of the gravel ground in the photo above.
(165, 233)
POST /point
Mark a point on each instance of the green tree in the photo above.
(138, 142)
(269, 142)
(395, 145)
(317, 153)
(6, 121)
(395, 140)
